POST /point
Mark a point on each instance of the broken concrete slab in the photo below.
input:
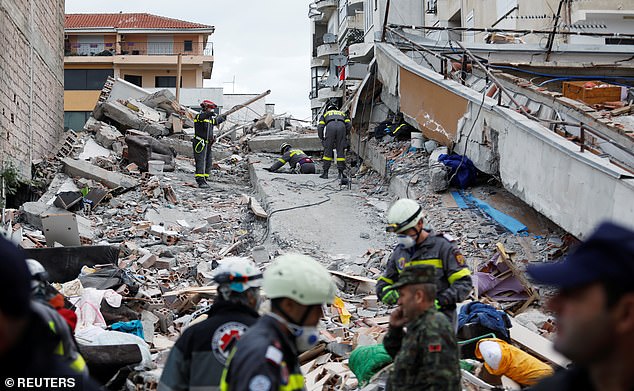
(61, 228)
(271, 143)
(33, 212)
(107, 135)
(130, 119)
(86, 170)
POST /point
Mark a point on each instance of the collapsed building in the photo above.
(546, 119)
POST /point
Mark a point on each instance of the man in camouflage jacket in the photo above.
(426, 353)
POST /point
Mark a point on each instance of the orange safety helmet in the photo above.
(207, 103)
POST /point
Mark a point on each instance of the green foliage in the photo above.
(11, 177)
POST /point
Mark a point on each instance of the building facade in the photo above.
(31, 80)
(142, 49)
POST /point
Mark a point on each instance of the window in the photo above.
(166, 82)
(86, 79)
(75, 120)
(134, 79)
(189, 46)
(619, 41)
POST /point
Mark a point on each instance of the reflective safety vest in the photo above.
(67, 348)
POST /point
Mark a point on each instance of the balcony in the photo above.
(125, 48)
(329, 93)
(326, 5)
(355, 22)
(327, 49)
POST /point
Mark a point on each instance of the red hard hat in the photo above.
(208, 103)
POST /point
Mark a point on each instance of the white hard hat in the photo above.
(239, 273)
(403, 215)
(300, 278)
(35, 267)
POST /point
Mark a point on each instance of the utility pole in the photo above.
(387, 13)
(179, 67)
(551, 37)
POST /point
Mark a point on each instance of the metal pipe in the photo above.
(551, 36)
(493, 30)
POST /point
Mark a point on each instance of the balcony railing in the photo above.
(127, 48)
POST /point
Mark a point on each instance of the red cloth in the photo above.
(69, 316)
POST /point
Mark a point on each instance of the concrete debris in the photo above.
(83, 169)
(107, 135)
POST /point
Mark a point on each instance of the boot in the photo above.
(342, 174)
(324, 175)
(202, 183)
(326, 168)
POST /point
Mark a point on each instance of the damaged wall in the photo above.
(435, 109)
(31, 80)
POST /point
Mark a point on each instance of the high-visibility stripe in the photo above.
(296, 152)
(383, 278)
(281, 160)
(201, 175)
(224, 386)
(211, 121)
(295, 382)
(78, 365)
(396, 130)
(458, 275)
(322, 123)
(341, 159)
(346, 120)
(437, 263)
(328, 159)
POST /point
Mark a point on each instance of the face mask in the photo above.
(406, 241)
(305, 336)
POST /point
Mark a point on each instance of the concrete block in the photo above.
(86, 170)
(148, 260)
(107, 135)
(271, 143)
(165, 263)
(214, 219)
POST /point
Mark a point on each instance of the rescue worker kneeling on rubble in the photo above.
(35, 341)
(204, 123)
(266, 357)
(293, 157)
(333, 130)
(198, 358)
(417, 246)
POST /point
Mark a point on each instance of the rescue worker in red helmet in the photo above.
(204, 123)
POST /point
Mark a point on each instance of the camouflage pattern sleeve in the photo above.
(393, 340)
(440, 368)
(458, 276)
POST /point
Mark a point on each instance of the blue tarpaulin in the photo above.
(503, 219)
(459, 200)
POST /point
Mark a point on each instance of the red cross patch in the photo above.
(434, 348)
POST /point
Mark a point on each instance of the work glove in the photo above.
(437, 304)
(390, 297)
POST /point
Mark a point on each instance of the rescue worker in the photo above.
(417, 246)
(293, 157)
(204, 123)
(426, 356)
(34, 339)
(594, 308)
(266, 357)
(332, 130)
(198, 358)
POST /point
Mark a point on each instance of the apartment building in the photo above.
(140, 48)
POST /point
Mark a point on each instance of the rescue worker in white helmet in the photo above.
(294, 157)
(417, 246)
(198, 358)
(266, 357)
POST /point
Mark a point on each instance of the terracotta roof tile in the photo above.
(128, 21)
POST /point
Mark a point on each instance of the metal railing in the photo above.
(130, 48)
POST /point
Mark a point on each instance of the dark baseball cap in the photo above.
(15, 280)
(419, 274)
(607, 255)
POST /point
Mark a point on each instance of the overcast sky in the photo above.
(264, 43)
